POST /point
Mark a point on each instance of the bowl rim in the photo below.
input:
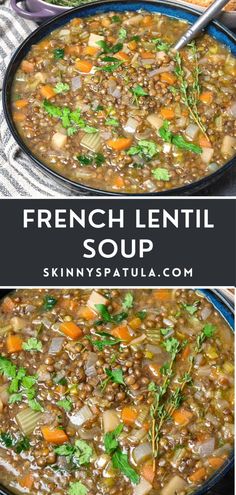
(69, 183)
(48, 4)
(226, 309)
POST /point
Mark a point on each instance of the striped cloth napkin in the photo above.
(18, 175)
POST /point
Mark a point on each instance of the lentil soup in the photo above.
(103, 101)
(125, 392)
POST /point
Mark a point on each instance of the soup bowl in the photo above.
(218, 481)
(171, 9)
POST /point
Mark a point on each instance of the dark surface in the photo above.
(225, 486)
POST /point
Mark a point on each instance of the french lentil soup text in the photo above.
(103, 101)
(111, 392)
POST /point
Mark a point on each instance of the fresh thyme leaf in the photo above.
(171, 345)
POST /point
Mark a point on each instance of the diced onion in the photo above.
(131, 125)
(89, 434)
(90, 369)
(232, 110)
(206, 448)
(138, 340)
(56, 345)
(205, 312)
(175, 485)
(228, 146)
(137, 435)
(76, 83)
(110, 420)
(192, 131)
(143, 488)
(46, 322)
(96, 298)
(82, 416)
(142, 452)
(207, 154)
(212, 167)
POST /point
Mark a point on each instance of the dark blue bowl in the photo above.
(168, 8)
(226, 310)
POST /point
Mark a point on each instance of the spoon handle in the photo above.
(201, 22)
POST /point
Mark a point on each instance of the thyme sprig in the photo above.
(189, 94)
(161, 411)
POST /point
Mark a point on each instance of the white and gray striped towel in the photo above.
(18, 175)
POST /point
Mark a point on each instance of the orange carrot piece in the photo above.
(21, 103)
(129, 415)
(147, 20)
(206, 97)
(168, 77)
(86, 313)
(119, 182)
(7, 305)
(14, 343)
(148, 472)
(198, 475)
(185, 353)
(135, 323)
(182, 416)
(122, 332)
(27, 481)
(76, 22)
(19, 116)
(90, 50)
(73, 50)
(71, 330)
(132, 45)
(216, 462)
(84, 66)
(147, 55)
(162, 294)
(122, 56)
(120, 143)
(167, 113)
(204, 142)
(47, 91)
(27, 66)
(56, 436)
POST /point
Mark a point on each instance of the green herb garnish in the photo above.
(32, 344)
(58, 53)
(146, 149)
(66, 404)
(61, 87)
(161, 174)
(49, 302)
(77, 488)
(167, 135)
(120, 461)
(80, 453)
(128, 301)
(111, 439)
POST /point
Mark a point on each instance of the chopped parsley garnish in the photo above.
(120, 461)
(19, 446)
(107, 317)
(80, 453)
(128, 301)
(168, 136)
(161, 45)
(22, 445)
(32, 344)
(49, 302)
(61, 87)
(113, 122)
(58, 53)
(97, 159)
(112, 67)
(144, 148)
(111, 439)
(161, 174)
(65, 404)
(71, 120)
(191, 308)
(108, 48)
(122, 34)
(142, 314)
(138, 91)
(116, 376)
(106, 340)
(77, 488)
(116, 18)
(6, 440)
(166, 331)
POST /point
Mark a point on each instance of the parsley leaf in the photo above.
(148, 149)
(107, 317)
(7, 369)
(22, 445)
(49, 302)
(107, 48)
(77, 488)
(116, 18)
(120, 461)
(80, 453)
(113, 122)
(61, 87)
(58, 53)
(105, 341)
(116, 376)
(165, 331)
(139, 91)
(32, 344)
(122, 34)
(128, 301)
(66, 404)
(35, 406)
(142, 314)
(167, 135)
(191, 308)
(161, 174)
(110, 439)
(6, 439)
(172, 345)
(161, 45)
(209, 330)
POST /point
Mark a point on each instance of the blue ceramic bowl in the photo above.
(226, 310)
(166, 7)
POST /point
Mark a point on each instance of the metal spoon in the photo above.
(201, 22)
